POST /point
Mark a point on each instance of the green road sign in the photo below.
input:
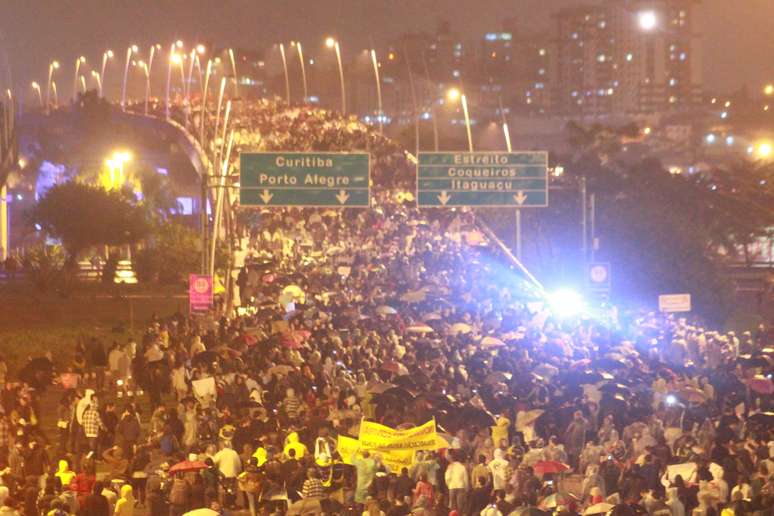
(304, 179)
(482, 179)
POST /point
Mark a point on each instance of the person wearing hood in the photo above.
(292, 443)
(125, 504)
(64, 473)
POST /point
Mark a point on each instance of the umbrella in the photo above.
(281, 369)
(415, 296)
(460, 328)
(528, 511)
(749, 361)
(550, 466)
(419, 328)
(491, 342)
(205, 357)
(598, 508)
(294, 291)
(187, 465)
(378, 387)
(386, 310)
(398, 392)
(433, 316)
(524, 419)
(761, 384)
(202, 512)
(475, 416)
(554, 500)
(38, 372)
(762, 418)
(391, 366)
(498, 377)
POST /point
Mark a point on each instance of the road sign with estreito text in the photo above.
(482, 179)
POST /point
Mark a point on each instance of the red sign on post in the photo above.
(199, 293)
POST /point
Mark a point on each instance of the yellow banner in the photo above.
(374, 436)
(395, 447)
(350, 448)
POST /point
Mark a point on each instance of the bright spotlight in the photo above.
(330, 42)
(671, 399)
(565, 302)
(647, 20)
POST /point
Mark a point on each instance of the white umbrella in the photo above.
(598, 508)
(460, 328)
(386, 310)
(419, 328)
(201, 512)
(491, 342)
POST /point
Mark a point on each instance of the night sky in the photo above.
(738, 35)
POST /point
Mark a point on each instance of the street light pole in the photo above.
(169, 76)
(129, 52)
(233, 68)
(51, 67)
(285, 68)
(75, 78)
(96, 76)
(108, 54)
(36, 87)
(378, 89)
(300, 51)
(332, 43)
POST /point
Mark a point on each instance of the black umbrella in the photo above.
(205, 357)
(38, 372)
(762, 418)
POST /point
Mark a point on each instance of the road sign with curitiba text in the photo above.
(482, 179)
(304, 179)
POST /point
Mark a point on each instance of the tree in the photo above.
(173, 252)
(82, 216)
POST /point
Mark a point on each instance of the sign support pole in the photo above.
(518, 233)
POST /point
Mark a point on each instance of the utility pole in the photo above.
(584, 215)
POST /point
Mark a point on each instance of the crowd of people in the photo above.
(397, 316)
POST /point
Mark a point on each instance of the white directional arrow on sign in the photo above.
(444, 197)
(266, 196)
(342, 196)
(520, 197)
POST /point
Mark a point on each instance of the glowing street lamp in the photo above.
(53, 66)
(764, 150)
(768, 89)
(453, 95)
(36, 87)
(200, 49)
(78, 63)
(116, 166)
(129, 52)
(332, 43)
(300, 52)
(647, 20)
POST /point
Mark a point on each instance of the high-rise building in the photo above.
(626, 57)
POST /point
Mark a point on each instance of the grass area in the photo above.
(33, 322)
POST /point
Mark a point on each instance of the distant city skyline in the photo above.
(737, 41)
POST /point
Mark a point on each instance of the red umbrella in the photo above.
(761, 384)
(187, 465)
(550, 466)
